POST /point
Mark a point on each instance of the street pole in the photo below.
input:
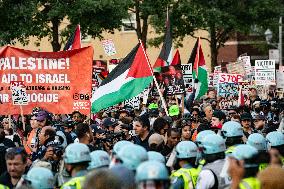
(280, 41)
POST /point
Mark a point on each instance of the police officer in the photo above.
(198, 142)
(3, 186)
(156, 156)
(232, 131)
(214, 153)
(99, 159)
(38, 178)
(245, 156)
(259, 142)
(276, 145)
(152, 175)
(76, 159)
(186, 176)
(132, 155)
(116, 148)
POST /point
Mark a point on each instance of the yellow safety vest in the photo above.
(74, 183)
(230, 150)
(250, 183)
(262, 166)
(3, 187)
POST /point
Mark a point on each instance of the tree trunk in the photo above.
(55, 35)
(141, 29)
(213, 47)
(144, 31)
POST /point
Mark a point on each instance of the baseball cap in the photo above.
(174, 110)
(41, 115)
(153, 106)
(259, 117)
(156, 139)
(96, 129)
(109, 121)
(246, 116)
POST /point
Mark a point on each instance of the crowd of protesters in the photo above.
(198, 146)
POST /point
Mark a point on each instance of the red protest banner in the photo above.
(59, 82)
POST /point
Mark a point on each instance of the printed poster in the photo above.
(265, 72)
(228, 90)
(109, 47)
(187, 77)
(173, 82)
(19, 94)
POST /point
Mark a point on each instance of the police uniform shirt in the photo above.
(205, 180)
(178, 182)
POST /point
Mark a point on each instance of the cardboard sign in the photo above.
(173, 80)
(59, 82)
(187, 77)
(236, 68)
(109, 47)
(245, 60)
(19, 94)
(265, 72)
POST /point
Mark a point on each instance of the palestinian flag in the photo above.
(74, 41)
(129, 78)
(165, 58)
(176, 59)
(199, 69)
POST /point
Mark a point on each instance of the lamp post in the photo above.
(268, 36)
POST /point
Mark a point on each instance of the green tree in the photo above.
(221, 19)
(143, 11)
(43, 18)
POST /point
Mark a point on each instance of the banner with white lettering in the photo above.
(59, 82)
(265, 72)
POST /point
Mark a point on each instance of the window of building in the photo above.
(129, 24)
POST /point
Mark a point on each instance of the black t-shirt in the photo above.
(144, 143)
(8, 143)
(3, 149)
(5, 179)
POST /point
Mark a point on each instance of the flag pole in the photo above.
(155, 81)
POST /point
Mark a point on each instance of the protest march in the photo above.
(68, 121)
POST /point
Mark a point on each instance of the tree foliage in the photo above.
(221, 19)
(43, 18)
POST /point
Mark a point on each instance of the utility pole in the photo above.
(280, 41)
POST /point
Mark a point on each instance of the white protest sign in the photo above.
(230, 78)
(246, 63)
(187, 77)
(217, 70)
(280, 78)
(265, 72)
(19, 94)
(108, 46)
